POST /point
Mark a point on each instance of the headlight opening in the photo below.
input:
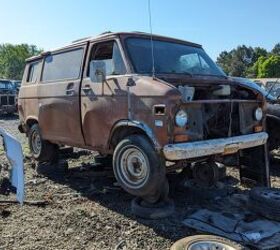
(181, 118)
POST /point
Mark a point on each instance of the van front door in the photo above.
(59, 100)
(103, 102)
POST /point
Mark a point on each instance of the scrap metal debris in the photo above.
(260, 233)
(15, 156)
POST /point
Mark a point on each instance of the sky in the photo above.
(216, 24)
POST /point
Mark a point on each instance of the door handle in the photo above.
(86, 88)
(70, 92)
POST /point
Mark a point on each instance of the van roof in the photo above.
(115, 34)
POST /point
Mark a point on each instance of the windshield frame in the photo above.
(167, 40)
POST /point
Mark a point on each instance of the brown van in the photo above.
(146, 101)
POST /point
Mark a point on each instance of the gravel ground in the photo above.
(86, 209)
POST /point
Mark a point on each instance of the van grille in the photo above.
(4, 100)
(11, 100)
(7, 100)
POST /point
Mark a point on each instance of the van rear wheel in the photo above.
(138, 168)
(41, 149)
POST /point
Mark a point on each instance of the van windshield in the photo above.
(6, 85)
(170, 58)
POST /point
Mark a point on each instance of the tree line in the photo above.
(251, 62)
(242, 61)
(12, 59)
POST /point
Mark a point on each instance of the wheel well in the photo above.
(30, 123)
(122, 132)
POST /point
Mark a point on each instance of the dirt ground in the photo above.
(86, 209)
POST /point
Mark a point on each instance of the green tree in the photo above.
(269, 67)
(276, 49)
(237, 61)
(241, 60)
(12, 59)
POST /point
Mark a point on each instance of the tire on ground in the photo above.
(138, 168)
(218, 243)
(41, 149)
(159, 210)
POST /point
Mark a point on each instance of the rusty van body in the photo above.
(144, 105)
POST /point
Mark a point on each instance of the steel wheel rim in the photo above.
(133, 167)
(36, 142)
(209, 245)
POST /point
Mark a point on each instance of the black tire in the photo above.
(266, 202)
(156, 211)
(44, 151)
(220, 243)
(105, 161)
(161, 195)
(143, 174)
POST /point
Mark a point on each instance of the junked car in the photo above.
(272, 94)
(145, 106)
(8, 97)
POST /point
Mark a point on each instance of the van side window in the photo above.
(33, 71)
(108, 53)
(65, 65)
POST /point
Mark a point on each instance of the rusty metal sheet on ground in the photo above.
(260, 233)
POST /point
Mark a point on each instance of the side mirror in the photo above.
(130, 82)
(97, 71)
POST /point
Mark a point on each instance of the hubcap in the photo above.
(133, 167)
(209, 245)
(36, 142)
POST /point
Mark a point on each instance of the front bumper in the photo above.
(231, 145)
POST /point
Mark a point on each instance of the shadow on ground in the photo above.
(96, 183)
(9, 117)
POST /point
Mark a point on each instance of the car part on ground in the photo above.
(138, 168)
(15, 156)
(41, 149)
(236, 224)
(106, 160)
(207, 174)
(206, 242)
(266, 202)
(159, 210)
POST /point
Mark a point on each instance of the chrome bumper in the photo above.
(231, 145)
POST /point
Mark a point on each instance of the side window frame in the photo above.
(61, 51)
(38, 74)
(92, 48)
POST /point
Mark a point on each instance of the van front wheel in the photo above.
(41, 150)
(138, 168)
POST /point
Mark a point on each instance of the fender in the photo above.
(273, 117)
(137, 124)
(23, 126)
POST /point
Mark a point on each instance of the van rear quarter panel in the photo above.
(28, 102)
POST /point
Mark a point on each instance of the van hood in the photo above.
(200, 81)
